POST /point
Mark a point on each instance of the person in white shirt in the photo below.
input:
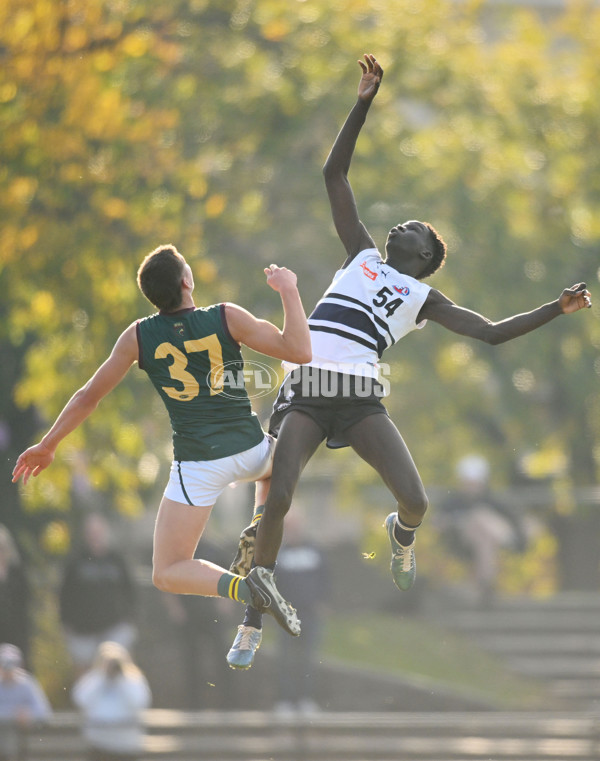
(111, 697)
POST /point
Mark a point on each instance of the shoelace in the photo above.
(247, 638)
(405, 554)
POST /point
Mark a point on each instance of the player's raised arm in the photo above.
(442, 310)
(350, 229)
(80, 406)
(293, 342)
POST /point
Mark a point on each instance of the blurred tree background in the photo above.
(125, 124)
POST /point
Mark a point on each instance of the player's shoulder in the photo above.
(127, 341)
(435, 297)
(366, 254)
(369, 257)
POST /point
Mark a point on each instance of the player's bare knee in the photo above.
(160, 579)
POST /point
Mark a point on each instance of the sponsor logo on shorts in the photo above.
(231, 378)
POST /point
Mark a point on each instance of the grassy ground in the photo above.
(419, 648)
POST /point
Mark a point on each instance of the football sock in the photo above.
(405, 535)
(234, 587)
(258, 511)
(252, 617)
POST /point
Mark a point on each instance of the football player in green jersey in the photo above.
(188, 352)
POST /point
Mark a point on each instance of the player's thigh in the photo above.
(298, 439)
(376, 439)
(177, 531)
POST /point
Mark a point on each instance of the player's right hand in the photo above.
(280, 277)
(31, 462)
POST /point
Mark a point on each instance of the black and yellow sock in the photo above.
(258, 513)
(234, 587)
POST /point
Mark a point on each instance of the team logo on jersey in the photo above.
(404, 291)
(179, 327)
(369, 273)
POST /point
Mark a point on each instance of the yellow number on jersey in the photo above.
(177, 369)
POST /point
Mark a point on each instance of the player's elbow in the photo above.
(302, 356)
(493, 338)
(332, 173)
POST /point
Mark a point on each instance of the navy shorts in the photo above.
(335, 401)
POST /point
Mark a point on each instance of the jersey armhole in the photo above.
(420, 324)
(353, 262)
(226, 326)
(138, 335)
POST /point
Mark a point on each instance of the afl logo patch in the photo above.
(404, 291)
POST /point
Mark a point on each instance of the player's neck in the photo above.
(187, 302)
(405, 268)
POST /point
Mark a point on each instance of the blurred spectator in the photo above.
(302, 577)
(97, 597)
(22, 703)
(14, 595)
(476, 525)
(203, 625)
(111, 697)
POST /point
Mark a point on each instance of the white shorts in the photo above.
(201, 482)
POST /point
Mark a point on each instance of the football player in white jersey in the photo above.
(371, 303)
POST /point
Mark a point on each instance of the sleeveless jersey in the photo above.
(197, 368)
(366, 309)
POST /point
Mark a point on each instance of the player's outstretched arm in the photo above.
(350, 229)
(293, 342)
(442, 310)
(83, 402)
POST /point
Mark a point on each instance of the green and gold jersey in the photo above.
(191, 359)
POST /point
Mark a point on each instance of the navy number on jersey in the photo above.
(381, 300)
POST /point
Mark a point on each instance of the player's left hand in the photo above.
(280, 277)
(575, 298)
(32, 462)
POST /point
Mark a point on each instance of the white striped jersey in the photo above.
(366, 309)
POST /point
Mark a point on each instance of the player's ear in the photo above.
(426, 255)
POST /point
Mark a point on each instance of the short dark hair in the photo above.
(159, 278)
(439, 252)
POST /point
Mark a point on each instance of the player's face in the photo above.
(406, 241)
(405, 245)
(408, 237)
